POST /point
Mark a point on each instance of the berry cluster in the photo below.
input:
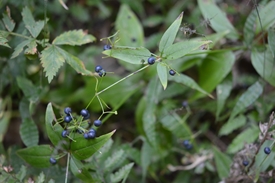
(101, 72)
(68, 117)
(151, 60)
(187, 144)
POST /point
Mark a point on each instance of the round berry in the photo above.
(68, 110)
(84, 113)
(189, 146)
(91, 134)
(92, 130)
(151, 60)
(67, 119)
(97, 123)
(172, 72)
(186, 142)
(85, 135)
(53, 161)
(107, 47)
(98, 68)
(64, 133)
(184, 104)
(267, 150)
(102, 73)
(245, 163)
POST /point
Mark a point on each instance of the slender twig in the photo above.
(67, 168)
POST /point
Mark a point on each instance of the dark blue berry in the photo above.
(84, 113)
(53, 161)
(186, 142)
(92, 134)
(189, 146)
(64, 133)
(184, 104)
(92, 130)
(68, 110)
(107, 47)
(85, 135)
(151, 60)
(102, 73)
(98, 68)
(267, 150)
(172, 72)
(97, 123)
(67, 119)
(245, 163)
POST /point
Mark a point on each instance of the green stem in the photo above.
(122, 79)
(19, 35)
(67, 168)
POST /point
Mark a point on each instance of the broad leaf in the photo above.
(83, 148)
(267, 18)
(217, 18)
(122, 173)
(33, 27)
(29, 132)
(22, 173)
(232, 125)
(162, 73)
(249, 28)
(133, 55)
(222, 162)
(75, 37)
(146, 158)
(264, 64)
(30, 91)
(80, 171)
(186, 80)
(271, 41)
(247, 98)
(262, 160)
(19, 48)
(223, 91)
(170, 34)
(8, 22)
(114, 161)
(183, 48)
(248, 136)
(37, 156)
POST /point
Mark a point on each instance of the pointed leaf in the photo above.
(19, 48)
(262, 160)
(267, 18)
(133, 55)
(223, 163)
(249, 27)
(41, 178)
(217, 18)
(33, 27)
(232, 125)
(271, 42)
(122, 173)
(4, 42)
(83, 148)
(30, 91)
(8, 22)
(183, 48)
(29, 132)
(162, 73)
(247, 98)
(75, 37)
(264, 64)
(113, 161)
(37, 156)
(22, 173)
(146, 158)
(80, 171)
(223, 91)
(170, 34)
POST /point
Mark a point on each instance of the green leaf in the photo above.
(246, 99)
(75, 37)
(271, 42)
(22, 173)
(170, 34)
(186, 80)
(248, 136)
(51, 60)
(4, 42)
(183, 48)
(31, 47)
(146, 158)
(83, 148)
(8, 22)
(41, 178)
(122, 173)
(262, 160)
(232, 125)
(249, 28)
(214, 68)
(113, 161)
(80, 171)
(223, 91)
(30, 91)
(53, 131)
(33, 27)
(267, 18)
(217, 18)
(162, 73)
(37, 156)
(133, 55)
(223, 163)
(263, 62)
(29, 132)
(19, 48)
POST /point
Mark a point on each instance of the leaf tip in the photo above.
(181, 15)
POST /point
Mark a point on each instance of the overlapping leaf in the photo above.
(162, 73)
(29, 132)
(222, 162)
(75, 37)
(122, 173)
(80, 171)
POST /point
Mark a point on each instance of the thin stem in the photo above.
(19, 35)
(122, 79)
(67, 168)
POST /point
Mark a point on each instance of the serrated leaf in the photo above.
(29, 132)
(122, 173)
(83, 148)
(132, 153)
(37, 156)
(8, 22)
(53, 131)
(133, 55)
(248, 136)
(75, 37)
(22, 173)
(223, 91)
(162, 73)
(19, 48)
(51, 60)
(264, 64)
(271, 41)
(113, 161)
(246, 99)
(41, 178)
(267, 18)
(187, 81)
(4, 42)
(80, 171)
(31, 47)
(217, 18)
(214, 68)
(30, 91)
(170, 34)
(222, 162)
(232, 125)
(183, 48)
(33, 27)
